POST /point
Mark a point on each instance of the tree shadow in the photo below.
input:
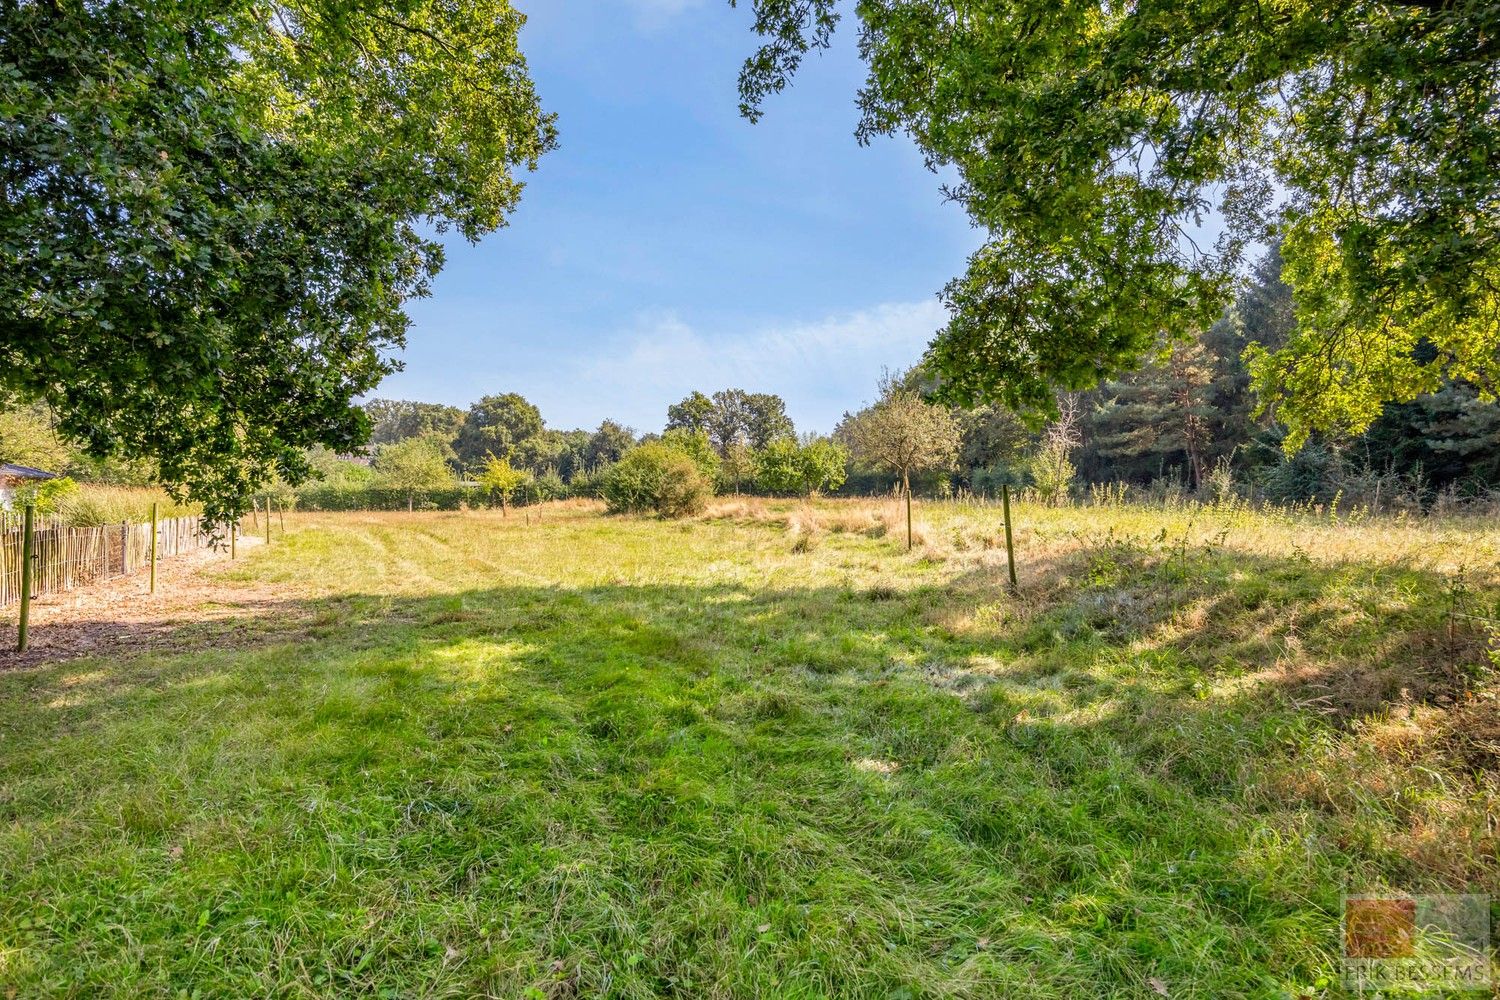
(1343, 640)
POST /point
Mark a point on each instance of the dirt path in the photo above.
(121, 615)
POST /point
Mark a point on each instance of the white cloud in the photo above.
(820, 368)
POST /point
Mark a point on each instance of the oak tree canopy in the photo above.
(213, 213)
(1122, 157)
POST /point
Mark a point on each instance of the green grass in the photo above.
(763, 754)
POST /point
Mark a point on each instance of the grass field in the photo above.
(765, 753)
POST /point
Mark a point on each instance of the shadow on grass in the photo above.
(682, 790)
(1343, 640)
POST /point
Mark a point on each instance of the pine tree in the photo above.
(1161, 414)
(1264, 315)
(1448, 436)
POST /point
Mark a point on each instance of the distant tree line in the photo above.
(500, 451)
(1188, 422)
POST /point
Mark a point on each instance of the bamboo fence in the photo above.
(67, 556)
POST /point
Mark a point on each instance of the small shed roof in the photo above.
(9, 471)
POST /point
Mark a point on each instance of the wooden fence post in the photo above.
(153, 548)
(1010, 545)
(268, 520)
(26, 556)
(281, 515)
(234, 532)
(908, 515)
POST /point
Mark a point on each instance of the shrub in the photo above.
(787, 468)
(547, 486)
(987, 480)
(588, 483)
(656, 478)
(695, 445)
(1220, 481)
(332, 470)
(778, 469)
(49, 496)
(1052, 474)
(825, 465)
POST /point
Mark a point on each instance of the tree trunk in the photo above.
(411, 501)
(1194, 440)
(502, 506)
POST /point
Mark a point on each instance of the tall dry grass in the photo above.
(91, 505)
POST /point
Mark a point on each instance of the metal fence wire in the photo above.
(67, 556)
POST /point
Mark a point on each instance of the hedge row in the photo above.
(320, 497)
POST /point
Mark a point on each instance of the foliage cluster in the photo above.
(1090, 143)
(501, 481)
(656, 478)
(786, 467)
(215, 214)
(414, 465)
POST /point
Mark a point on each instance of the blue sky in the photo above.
(669, 245)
